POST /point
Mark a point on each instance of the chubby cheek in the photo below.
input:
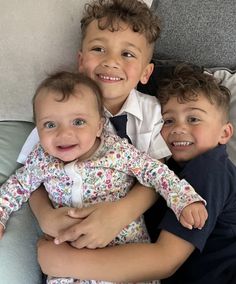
(201, 136)
(88, 65)
(87, 141)
(47, 144)
(204, 140)
(134, 72)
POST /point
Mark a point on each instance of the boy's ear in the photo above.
(147, 73)
(227, 133)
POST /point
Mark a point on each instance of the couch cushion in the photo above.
(12, 137)
(201, 32)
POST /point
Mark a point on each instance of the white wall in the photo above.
(36, 38)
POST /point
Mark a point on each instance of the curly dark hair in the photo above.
(110, 13)
(187, 83)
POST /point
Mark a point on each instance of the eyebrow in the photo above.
(74, 115)
(188, 109)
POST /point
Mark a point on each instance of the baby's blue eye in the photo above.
(98, 49)
(49, 124)
(78, 122)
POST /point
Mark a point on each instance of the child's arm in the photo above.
(51, 220)
(122, 263)
(104, 221)
(177, 193)
(12, 195)
(188, 206)
(101, 221)
(154, 174)
(19, 186)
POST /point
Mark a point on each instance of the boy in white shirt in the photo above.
(116, 53)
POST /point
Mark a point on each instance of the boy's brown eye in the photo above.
(168, 121)
(128, 54)
(193, 119)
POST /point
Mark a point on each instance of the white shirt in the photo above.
(143, 126)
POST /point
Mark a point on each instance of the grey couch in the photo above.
(40, 36)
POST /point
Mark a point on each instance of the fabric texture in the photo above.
(201, 32)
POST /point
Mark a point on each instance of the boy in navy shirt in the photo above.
(196, 128)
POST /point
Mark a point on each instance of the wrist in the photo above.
(47, 220)
(126, 212)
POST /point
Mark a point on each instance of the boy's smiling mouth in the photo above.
(181, 143)
(109, 78)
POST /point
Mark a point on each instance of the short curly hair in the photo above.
(187, 83)
(135, 13)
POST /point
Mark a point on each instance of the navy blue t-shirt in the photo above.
(213, 176)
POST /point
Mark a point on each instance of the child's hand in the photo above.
(194, 215)
(101, 224)
(57, 221)
(1, 231)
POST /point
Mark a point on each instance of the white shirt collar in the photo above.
(131, 105)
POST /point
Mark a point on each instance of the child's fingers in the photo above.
(184, 223)
(188, 216)
(197, 219)
(192, 218)
(82, 242)
(195, 214)
(70, 234)
(81, 212)
(203, 217)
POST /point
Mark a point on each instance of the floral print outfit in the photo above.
(106, 176)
